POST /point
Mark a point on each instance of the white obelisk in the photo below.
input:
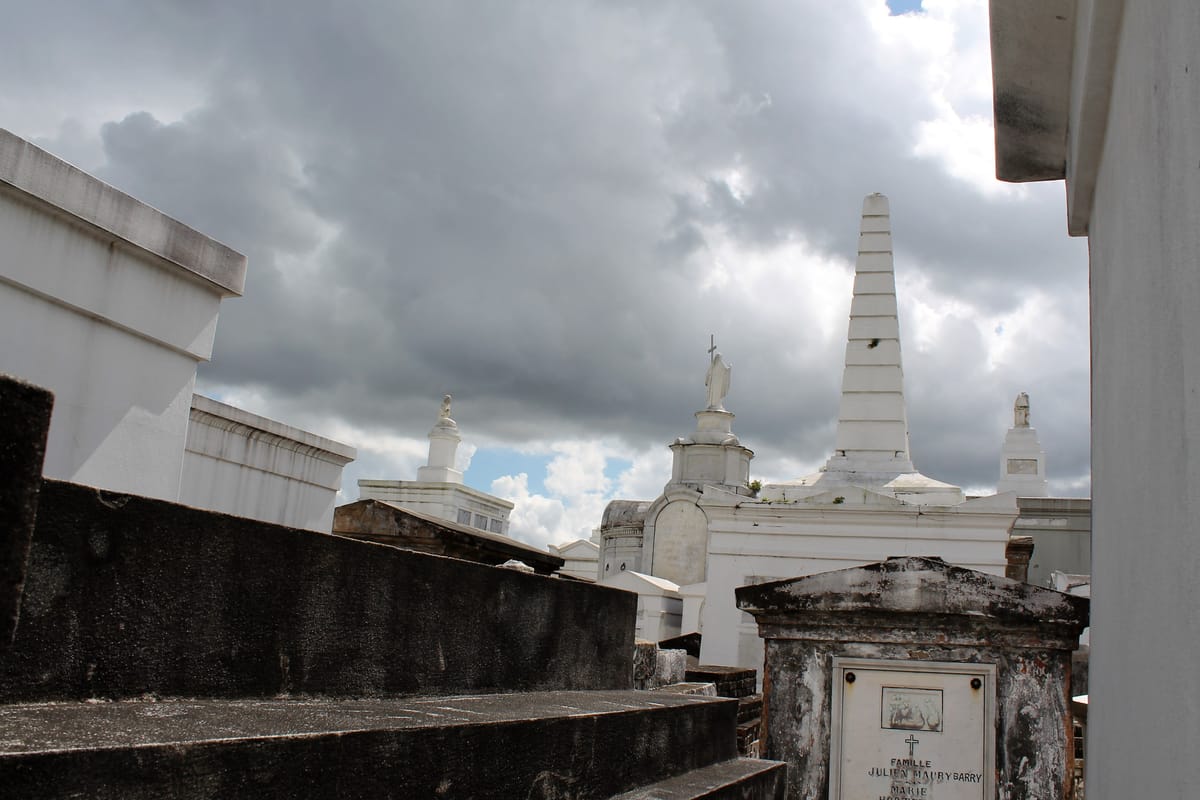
(872, 428)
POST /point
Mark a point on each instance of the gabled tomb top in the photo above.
(914, 585)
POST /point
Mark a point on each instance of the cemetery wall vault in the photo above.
(912, 678)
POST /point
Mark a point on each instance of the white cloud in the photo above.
(647, 474)
(535, 519)
(556, 203)
(463, 456)
(577, 469)
(577, 490)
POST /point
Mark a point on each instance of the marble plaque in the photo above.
(912, 729)
(1022, 466)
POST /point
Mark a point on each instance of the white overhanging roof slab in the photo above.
(1052, 71)
(1032, 45)
(79, 196)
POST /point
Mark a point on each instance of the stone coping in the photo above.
(71, 191)
(436, 486)
(56, 727)
(445, 527)
(227, 416)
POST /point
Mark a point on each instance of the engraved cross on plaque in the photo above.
(912, 742)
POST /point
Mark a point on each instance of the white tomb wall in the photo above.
(660, 605)
(756, 542)
(121, 401)
(693, 607)
(580, 559)
(243, 464)
(680, 539)
(658, 618)
(1145, 247)
(1117, 97)
(110, 304)
(622, 551)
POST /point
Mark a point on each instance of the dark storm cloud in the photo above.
(517, 203)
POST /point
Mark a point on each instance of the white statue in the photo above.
(445, 412)
(1021, 411)
(717, 383)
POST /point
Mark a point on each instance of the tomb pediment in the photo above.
(914, 585)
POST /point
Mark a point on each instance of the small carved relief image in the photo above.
(908, 709)
(1022, 466)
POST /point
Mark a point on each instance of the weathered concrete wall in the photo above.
(126, 595)
(245, 659)
(387, 523)
(752, 542)
(24, 422)
(1145, 247)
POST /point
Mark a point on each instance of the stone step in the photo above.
(531, 745)
(739, 779)
(730, 681)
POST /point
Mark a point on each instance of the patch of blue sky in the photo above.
(613, 468)
(904, 6)
(494, 462)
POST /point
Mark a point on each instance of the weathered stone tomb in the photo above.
(912, 678)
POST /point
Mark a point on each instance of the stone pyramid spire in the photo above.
(872, 429)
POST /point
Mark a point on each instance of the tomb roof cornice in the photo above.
(32, 173)
(914, 585)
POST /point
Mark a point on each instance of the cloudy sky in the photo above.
(545, 207)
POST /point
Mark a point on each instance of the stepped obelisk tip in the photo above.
(872, 431)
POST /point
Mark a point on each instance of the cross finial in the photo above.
(712, 345)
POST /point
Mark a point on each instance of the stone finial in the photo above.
(717, 382)
(443, 447)
(712, 455)
(1021, 411)
(1022, 460)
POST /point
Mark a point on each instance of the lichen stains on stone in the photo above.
(1023, 155)
(920, 611)
(1034, 744)
(915, 585)
(1021, 114)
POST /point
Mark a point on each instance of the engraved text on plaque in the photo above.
(912, 729)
